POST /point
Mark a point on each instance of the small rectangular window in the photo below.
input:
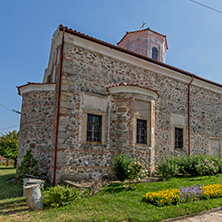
(179, 138)
(94, 128)
(141, 131)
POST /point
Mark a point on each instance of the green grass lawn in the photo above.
(113, 203)
(8, 189)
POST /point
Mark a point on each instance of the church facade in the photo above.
(98, 100)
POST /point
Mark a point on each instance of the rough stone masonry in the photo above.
(120, 86)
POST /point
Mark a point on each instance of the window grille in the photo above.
(94, 128)
(141, 131)
(178, 138)
(155, 53)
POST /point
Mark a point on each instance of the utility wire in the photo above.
(198, 3)
(9, 127)
(6, 107)
(12, 110)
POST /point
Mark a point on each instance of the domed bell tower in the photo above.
(147, 43)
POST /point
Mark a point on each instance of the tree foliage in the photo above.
(9, 145)
(29, 166)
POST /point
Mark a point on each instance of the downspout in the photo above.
(58, 105)
(188, 115)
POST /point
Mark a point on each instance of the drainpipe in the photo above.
(58, 105)
(188, 115)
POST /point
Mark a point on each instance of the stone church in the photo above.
(98, 100)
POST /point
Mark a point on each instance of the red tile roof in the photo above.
(148, 29)
(73, 32)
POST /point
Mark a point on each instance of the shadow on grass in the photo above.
(195, 179)
(117, 188)
(6, 177)
(12, 207)
(188, 178)
(9, 188)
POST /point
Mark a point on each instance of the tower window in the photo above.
(178, 138)
(94, 128)
(141, 131)
(155, 53)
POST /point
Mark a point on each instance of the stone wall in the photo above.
(86, 79)
(206, 120)
(36, 127)
(88, 72)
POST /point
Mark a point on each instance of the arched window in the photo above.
(155, 53)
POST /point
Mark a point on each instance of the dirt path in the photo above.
(213, 215)
(208, 217)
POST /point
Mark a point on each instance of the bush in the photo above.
(197, 165)
(193, 171)
(168, 167)
(207, 167)
(59, 196)
(134, 170)
(125, 168)
(29, 166)
(218, 162)
(120, 167)
(185, 165)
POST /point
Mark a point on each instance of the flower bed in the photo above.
(183, 195)
(212, 191)
(163, 197)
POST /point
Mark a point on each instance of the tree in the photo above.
(9, 145)
(29, 166)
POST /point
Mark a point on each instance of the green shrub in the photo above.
(168, 167)
(29, 166)
(195, 160)
(59, 196)
(218, 161)
(120, 166)
(184, 164)
(125, 168)
(207, 167)
(187, 164)
(134, 170)
(196, 165)
(199, 165)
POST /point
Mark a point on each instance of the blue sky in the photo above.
(193, 34)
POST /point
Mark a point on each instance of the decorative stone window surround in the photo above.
(84, 128)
